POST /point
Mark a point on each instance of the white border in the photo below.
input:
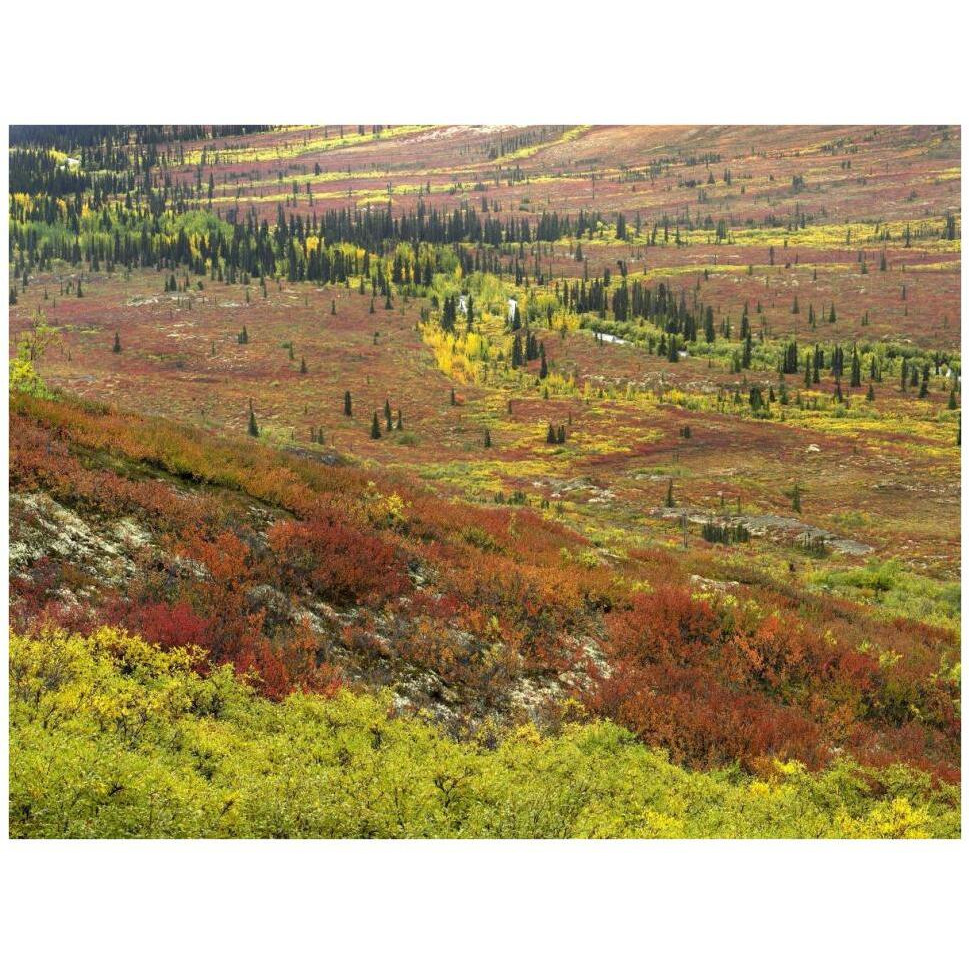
(485, 903)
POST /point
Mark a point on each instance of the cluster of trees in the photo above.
(725, 533)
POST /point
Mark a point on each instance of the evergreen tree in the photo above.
(670, 502)
(347, 404)
(855, 367)
(748, 352)
(375, 427)
(516, 351)
(253, 426)
(487, 438)
(117, 343)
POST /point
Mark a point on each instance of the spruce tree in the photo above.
(516, 351)
(347, 404)
(375, 428)
(855, 368)
(253, 426)
(117, 343)
(670, 502)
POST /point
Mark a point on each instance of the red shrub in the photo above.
(666, 625)
(336, 561)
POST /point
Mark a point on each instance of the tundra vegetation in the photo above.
(430, 481)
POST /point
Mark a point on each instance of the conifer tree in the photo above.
(855, 367)
(253, 426)
(516, 351)
(670, 502)
(487, 438)
(117, 343)
(347, 404)
(375, 428)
